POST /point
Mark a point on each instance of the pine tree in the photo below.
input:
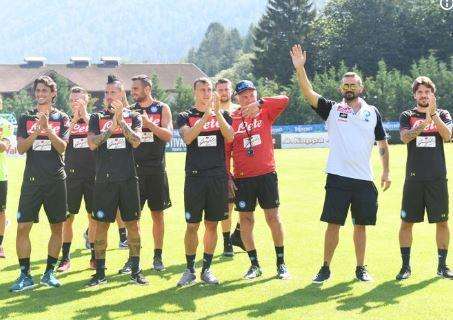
(285, 23)
(183, 98)
(158, 93)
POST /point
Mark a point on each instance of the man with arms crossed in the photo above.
(204, 128)
(424, 129)
(254, 170)
(42, 133)
(113, 133)
(353, 127)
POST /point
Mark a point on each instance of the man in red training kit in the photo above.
(254, 170)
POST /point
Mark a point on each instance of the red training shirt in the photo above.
(258, 129)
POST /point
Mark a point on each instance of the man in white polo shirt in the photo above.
(353, 127)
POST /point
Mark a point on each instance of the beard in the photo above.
(224, 100)
(350, 96)
(422, 104)
(140, 99)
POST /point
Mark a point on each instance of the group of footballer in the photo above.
(114, 159)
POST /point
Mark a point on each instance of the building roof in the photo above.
(14, 78)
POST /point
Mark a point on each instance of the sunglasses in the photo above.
(349, 86)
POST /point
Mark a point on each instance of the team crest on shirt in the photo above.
(55, 116)
(153, 109)
(100, 214)
(367, 116)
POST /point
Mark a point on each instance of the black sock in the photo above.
(207, 259)
(51, 262)
(190, 262)
(100, 268)
(135, 264)
(253, 258)
(158, 253)
(405, 255)
(24, 264)
(93, 257)
(1, 240)
(65, 251)
(326, 265)
(442, 254)
(226, 239)
(123, 234)
(279, 251)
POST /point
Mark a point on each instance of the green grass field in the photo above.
(301, 177)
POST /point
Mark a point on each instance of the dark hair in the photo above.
(146, 81)
(77, 89)
(222, 81)
(47, 81)
(203, 80)
(427, 82)
(111, 79)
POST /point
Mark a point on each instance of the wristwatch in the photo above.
(260, 103)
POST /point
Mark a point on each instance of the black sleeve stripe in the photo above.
(324, 108)
(379, 131)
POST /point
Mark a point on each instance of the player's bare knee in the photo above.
(192, 227)
(211, 226)
(442, 226)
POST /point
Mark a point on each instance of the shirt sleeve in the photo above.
(65, 124)
(274, 106)
(379, 131)
(22, 127)
(93, 124)
(136, 121)
(324, 107)
(227, 117)
(228, 150)
(446, 117)
(182, 120)
(405, 121)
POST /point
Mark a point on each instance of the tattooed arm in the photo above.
(406, 134)
(95, 140)
(132, 135)
(384, 155)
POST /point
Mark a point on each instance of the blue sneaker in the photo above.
(24, 282)
(48, 279)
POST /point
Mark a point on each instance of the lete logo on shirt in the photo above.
(79, 129)
(105, 124)
(245, 126)
(211, 125)
(32, 124)
(415, 122)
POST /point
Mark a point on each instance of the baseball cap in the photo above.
(243, 85)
